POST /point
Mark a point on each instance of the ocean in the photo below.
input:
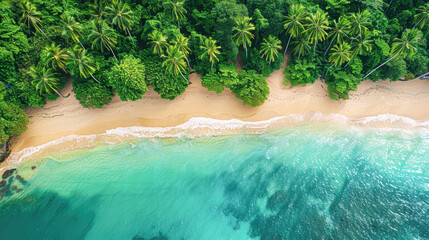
(308, 180)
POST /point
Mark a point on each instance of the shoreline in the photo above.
(65, 117)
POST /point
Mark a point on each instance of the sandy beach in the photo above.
(65, 117)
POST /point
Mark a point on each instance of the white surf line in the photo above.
(393, 89)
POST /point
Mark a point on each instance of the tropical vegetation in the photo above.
(124, 46)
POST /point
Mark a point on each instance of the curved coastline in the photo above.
(205, 127)
(66, 119)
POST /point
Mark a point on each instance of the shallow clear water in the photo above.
(314, 181)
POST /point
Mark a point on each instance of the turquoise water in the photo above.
(313, 181)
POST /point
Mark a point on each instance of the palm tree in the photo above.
(270, 48)
(103, 36)
(80, 62)
(44, 80)
(340, 54)
(177, 10)
(294, 23)
(210, 50)
(98, 10)
(158, 42)
(29, 16)
(317, 26)
(56, 57)
(71, 28)
(422, 18)
(359, 46)
(359, 21)
(339, 32)
(175, 61)
(182, 44)
(302, 46)
(122, 16)
(243, 35)
(404, 46)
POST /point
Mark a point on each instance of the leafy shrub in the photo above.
(128, 78)
(92, 94)
(252, 88)
(164, 83)
(13, 120)
(255, 62)
(341, 83)
(300, 72)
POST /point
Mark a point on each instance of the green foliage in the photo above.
(300, 72)
(128, 78)
(12, 38)
(13, 120)
(252, 88)
(341, 83)
(226, 77)
(409, 76)
(418, 63)
(259, 64)
(225, 13)
(165, 84)
(7, 67)
(395, 69)
(92, 94)
(249, 86)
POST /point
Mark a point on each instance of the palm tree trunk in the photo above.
(41, 30)
(328, 69)
(189, 65)
(212, 65)
(390, 59)
(81, 45)
(351, 59)
(287, 45)
(59, 94)
(94, 78)
(329, 46)
(111, 50)
(184, 77)
(388, 6)
(132, 40)
(423, 75)
(245, 47)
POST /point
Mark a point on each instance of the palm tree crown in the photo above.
(302, 46)
(177, 10)
(55, 56)
(81, 63)
(182, 44)
(71, 28)
(158, 42)
(44, 80)
(122, 16)
(270, 48)
(243, 33)
(210, 50)
(359, 22)
(339, 32)
(294, 23)
(317, 26)
(422, 18)
(174, 61)
(404, 46)
(29, 16)
(103, 36)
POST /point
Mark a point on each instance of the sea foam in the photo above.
(206, 127)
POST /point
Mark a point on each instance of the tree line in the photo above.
(128, 45)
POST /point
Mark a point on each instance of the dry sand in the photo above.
(65, 117)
